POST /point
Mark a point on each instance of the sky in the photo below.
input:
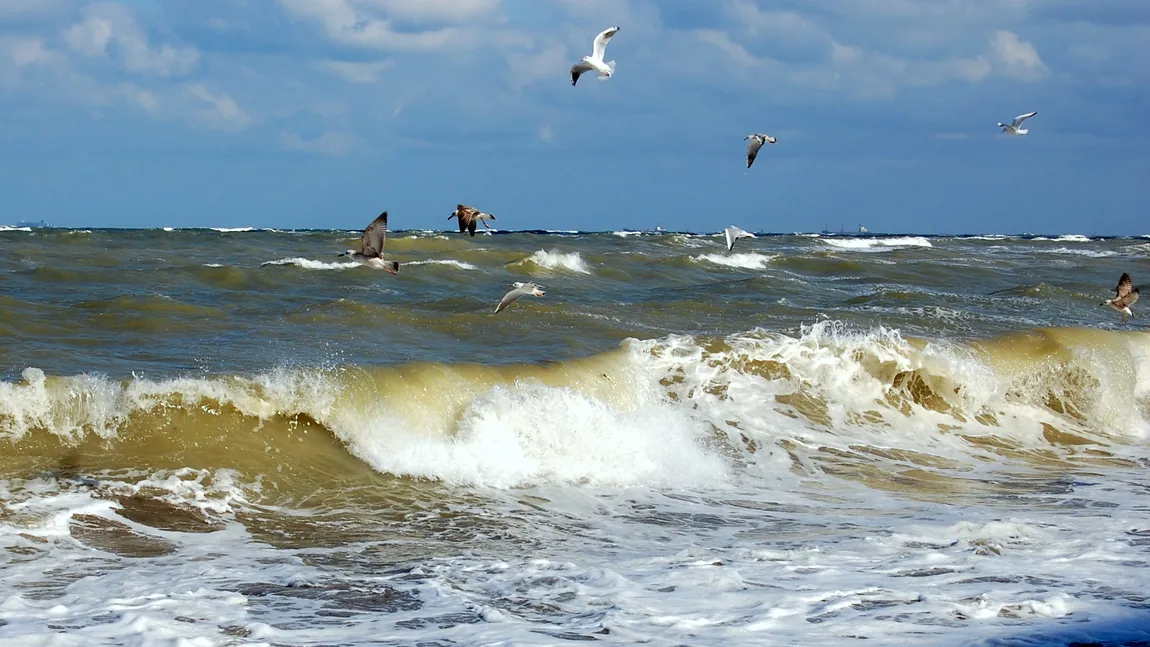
(322, 113)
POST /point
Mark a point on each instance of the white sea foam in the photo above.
(309, 264)
(11, 228)
(444, 261)
(749, 261)
(557, 260)
(625, 233)
(1093, 253)
(1073, 238)
(169, 229)
(229, 230)
(872, 244)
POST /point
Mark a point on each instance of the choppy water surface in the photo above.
(236, 437)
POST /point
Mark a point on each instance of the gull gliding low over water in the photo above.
(1015, 127)
(733, 233)
(469, 217)
(517, 290)
(595, 60)
(757, 141)
(1125, 295)
(371, 247)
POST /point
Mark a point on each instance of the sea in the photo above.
(218, 437)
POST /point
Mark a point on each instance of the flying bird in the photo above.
(518, 290)
(469, 217)
(371, 247)
(594, 62)
(733, 233)
(1125, 295)
(757, 141)
(1015, 127)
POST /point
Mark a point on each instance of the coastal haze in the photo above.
(240, 436)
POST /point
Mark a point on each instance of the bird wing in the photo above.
(577, 70)
(1125, 286)
(1130, 299)
(471, 222)
(511, 296)
(600, 45)
(466, 216)
(375, 236)
(1021, 118)
(753, 149)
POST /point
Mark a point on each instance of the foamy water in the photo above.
(789, 445)
(871, 244)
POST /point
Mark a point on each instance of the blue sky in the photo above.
(320, 113)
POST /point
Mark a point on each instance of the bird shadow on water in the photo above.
(1129, 631)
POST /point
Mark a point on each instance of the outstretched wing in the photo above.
(466, 216)
(375, 236)
(471, 222)
(577, 71)
(1125, 286)
(510, 298)
(1021, 118)
(600, 45)
(753, 149)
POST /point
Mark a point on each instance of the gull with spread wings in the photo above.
(594, 62)
(1124, 296)
(469, 217)
(517, 290)
(1015, 127)
(371, 247)
(757, 141)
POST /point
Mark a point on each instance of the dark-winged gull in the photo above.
(1125, 295)
(371, 247)
(469, 217)
(518, 290)
(1015, 127)
(733, 233)
(595, 60)
(757, 141)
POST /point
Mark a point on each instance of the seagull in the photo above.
(469, 217)
(757, 141)
(518, 290)
(372, 243)
(1125, 295)
(733, 233)
(1015, 127)
(595, 60)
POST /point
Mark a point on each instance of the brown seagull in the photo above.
(371, 252)
(1125, 295)
(469, 217)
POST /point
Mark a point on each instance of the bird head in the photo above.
(586, 59)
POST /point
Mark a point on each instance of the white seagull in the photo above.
(371, 252)
(757, 141)
(518, 290)
(595, 60)
(1125, 295)
(733, 233)
(1015, 127)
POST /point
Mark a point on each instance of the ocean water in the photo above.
(238, 438)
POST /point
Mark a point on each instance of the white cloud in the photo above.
(443, 11)
(224, 113)
(1019, 58)
(90, 37)
(527, 68)
(546, 133)
(346, 23)
(26, 51)
(355, 72)
(328, 143)
(111, 24)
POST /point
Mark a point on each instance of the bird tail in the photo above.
(610, 66)
(394, 266)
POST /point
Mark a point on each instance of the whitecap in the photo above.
(557, 260)
(309, 264)
(747, 261)
(872, 243)
(444, 261)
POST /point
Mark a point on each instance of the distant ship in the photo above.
(32, 223)
(843, 232)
